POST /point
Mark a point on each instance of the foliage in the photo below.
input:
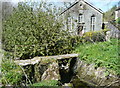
(94, 36)
(102, 54)
(46, 83)
(110, 14)
(11, 73)
(75, 40)
(105, 30)
(33, 32)
(118, 20)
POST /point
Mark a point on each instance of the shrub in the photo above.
(29, 33)
(75, 40)
(118, 20)
(94, 36)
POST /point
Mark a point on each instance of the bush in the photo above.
(34, 32)
(75, 40)
(95, 36)
(118, 20)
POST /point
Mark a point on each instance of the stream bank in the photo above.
(72, 71)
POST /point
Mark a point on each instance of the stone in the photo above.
(100, 72)
(97, 77)
(67, 85)
(52, 73)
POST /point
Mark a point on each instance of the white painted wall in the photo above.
(87, 13)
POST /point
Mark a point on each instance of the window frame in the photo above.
(69, 23)
(80, 18)
(92, 22)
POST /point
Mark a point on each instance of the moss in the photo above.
(44, 61)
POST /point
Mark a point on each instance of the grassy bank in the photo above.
(105, 54)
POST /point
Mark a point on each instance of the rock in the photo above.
(67, 85)
(52, 73)
(88, 74)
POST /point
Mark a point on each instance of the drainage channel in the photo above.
(67, 69)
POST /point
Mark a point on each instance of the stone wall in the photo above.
(37, 72)
(113, 33)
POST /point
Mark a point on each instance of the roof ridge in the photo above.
(93, 6)
(76, 1)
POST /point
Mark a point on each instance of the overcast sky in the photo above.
(102, 4)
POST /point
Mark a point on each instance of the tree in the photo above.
(110, 14)
(31, 32)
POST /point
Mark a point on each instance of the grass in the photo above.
(103, 54)
(46, 83)
(11, 73)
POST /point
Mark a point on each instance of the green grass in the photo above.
(103, 54)
(46, 83)
(11, 73)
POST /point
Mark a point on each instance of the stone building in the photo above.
(82, 17)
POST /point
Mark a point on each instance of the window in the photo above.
(93, 22)
(69, 23)
(81, 6)
(80, 18)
